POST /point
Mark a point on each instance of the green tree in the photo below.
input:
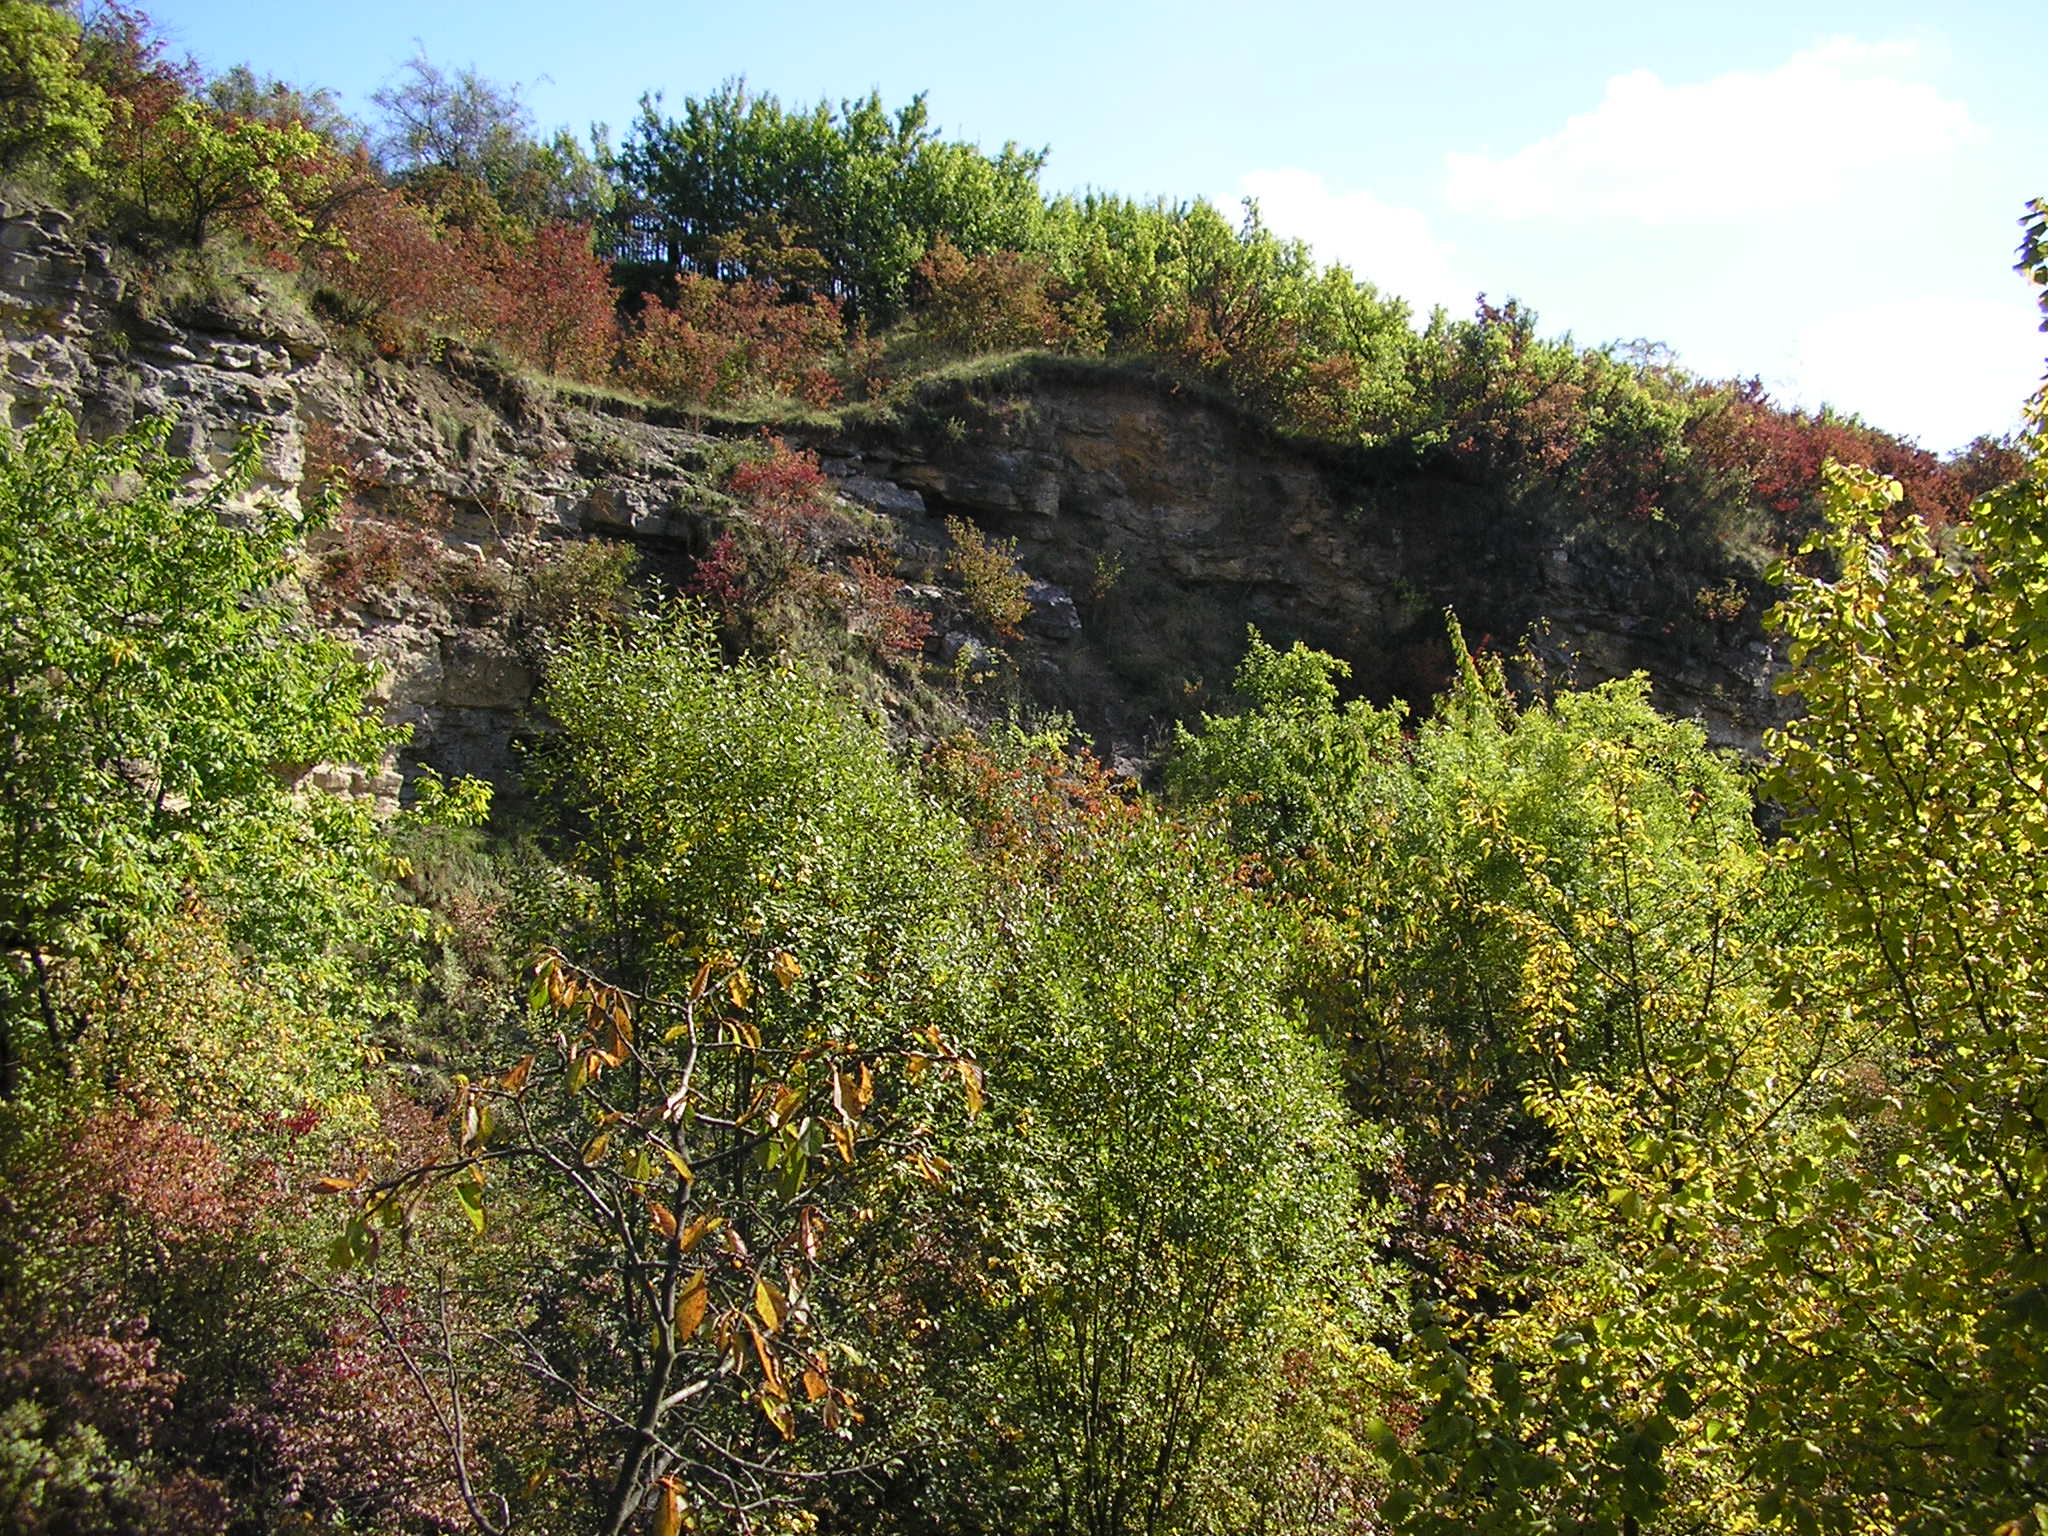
(48, 109)
(193, 168)
(843, 201)
(466, 146)
(1166, 1177)
(157, 700)
(1832, 1287)
(739, 1053)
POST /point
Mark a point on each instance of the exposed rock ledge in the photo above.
(1157, 525)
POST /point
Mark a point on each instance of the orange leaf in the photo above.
(664, 1218)
(771, 1373)
(515, 1080)
(739, 986)
(815, 1385)
(788, 1098)
(668, 1514)
(810, 1233)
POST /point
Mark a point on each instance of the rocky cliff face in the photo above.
(1173, 522)
(1158, 525)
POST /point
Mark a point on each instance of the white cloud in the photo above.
(1839, 119)
(1934, 367)
(1391, 247)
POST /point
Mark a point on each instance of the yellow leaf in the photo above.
(786, 970)
(788, 1098)
(595, 1148)
(842, 1138)
(703, 982)
(333, 1186)
(739, 986)
(690, 1306)
(779, 1415)
(695, 1232)
(970, 1079)
(770, 1304)
(749, 1036)
(675, 1160)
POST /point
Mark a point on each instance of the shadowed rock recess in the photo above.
(1156, 523)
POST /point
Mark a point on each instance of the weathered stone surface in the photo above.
(1053, 615)
(1183, 523)
(880, 495)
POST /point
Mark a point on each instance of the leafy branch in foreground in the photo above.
(712, 1127)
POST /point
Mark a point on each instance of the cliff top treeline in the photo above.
(754, 260)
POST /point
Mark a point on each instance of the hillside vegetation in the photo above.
(1457, 1118)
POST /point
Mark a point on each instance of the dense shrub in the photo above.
(718, 342)
(994, 302)
(997, 588)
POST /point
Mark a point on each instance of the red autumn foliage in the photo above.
(395, 271)
(350, 1440)
(724, 578)
(880, 612)
(720, 342)
(1776, 455)
(138, 1177)
(125, 56)
(785, 488)
(1033, 816)
(994, 302)
(785, 498)
(547, 300)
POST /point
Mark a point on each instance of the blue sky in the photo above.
(1823, 194)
